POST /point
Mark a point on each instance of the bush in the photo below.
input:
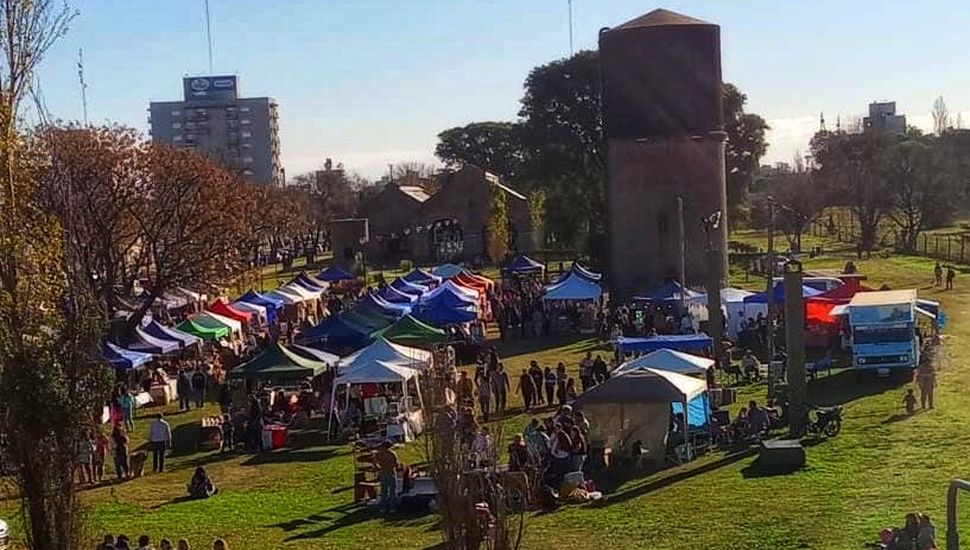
(406, 265)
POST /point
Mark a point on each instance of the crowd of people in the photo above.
(144, 542)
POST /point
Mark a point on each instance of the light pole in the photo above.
(795, 346)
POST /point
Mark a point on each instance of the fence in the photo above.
(842, 227)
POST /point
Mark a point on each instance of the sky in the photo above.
(372, 82)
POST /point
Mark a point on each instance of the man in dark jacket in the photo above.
(198, 387)
(183, 386)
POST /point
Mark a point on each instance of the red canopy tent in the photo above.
(476, 279)
(221, 307)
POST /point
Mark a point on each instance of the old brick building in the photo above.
(449, 225)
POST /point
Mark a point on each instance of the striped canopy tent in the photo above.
(163, 332)
(259, 313)
(421, 277)
(308, 282)
(285, 296)
(221, 307)
(123, 359)
(147, 343)
(394, 295)
(401, 285)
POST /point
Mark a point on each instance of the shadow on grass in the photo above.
(285, 456)
(849, 384)
(666, 481)
(901, 416)
(176, 500)
(342, 516)
(515, 347)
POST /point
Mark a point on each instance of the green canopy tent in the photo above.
(204, 332)
(278, 363)
(409, 331)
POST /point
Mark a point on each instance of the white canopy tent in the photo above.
(668, 360)
(383, 350)
(375, 372)
(289, 298)
(258, 310)
(303, 292)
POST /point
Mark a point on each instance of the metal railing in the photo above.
(952, 534)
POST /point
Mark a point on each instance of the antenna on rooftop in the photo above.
(208, 33)
(84, 86)
(570, 3)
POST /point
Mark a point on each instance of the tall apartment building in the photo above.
(883, 118)
(241, 133)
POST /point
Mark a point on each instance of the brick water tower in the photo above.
(661, 76)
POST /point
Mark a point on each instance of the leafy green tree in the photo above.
(921, 180)
(743, 149)
(493, 146)
(498, 225)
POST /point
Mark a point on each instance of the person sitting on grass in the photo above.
(201, 486)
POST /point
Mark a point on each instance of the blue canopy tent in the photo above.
(678, 342)
(395, 296)
(573, 288)
(448, 271)
(670, 292)
(421, 277)
(524, 264)
(585, 273)
(380, 306)
(146, 343)
(406, 287)
(122, 359)
(159, 330)
(272, 305)
(448, 307)
(779, 294)
(335, 273)
(336, 332)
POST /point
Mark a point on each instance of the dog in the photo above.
(137, 463)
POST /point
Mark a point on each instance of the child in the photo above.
(910, 401)
(100, 452)
(228, 441)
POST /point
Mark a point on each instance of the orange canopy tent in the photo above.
(221, 307)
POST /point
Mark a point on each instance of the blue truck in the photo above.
(884, 330)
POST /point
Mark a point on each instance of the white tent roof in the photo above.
(645, 385)
(729, 295)
(376, 372)
(463, 291)
(191, 294)
(668, 360)
(320, 355)
(288, 297)
(384, 351)
(252, 308)
(303, 292)
(209, 319)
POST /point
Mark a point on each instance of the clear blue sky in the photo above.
(369, 82)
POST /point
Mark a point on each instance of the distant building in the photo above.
(240, 133)
(450, 224)
(883, 118)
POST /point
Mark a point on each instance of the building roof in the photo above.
(660, 18)
(415, 192)
(494, 180)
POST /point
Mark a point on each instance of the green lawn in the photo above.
(876, 470)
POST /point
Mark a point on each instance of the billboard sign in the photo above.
(209, 87)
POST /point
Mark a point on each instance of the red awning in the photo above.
(220, 307)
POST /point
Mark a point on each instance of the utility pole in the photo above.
(770, 290)
(682, 251)
(715, 274)
(795, 346)
(208, 33)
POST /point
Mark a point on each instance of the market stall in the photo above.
(397, 416)
(679, 342)
(203, 332)
(421, 277)
(447, 271)
(409, 331)
(124, 360)
(524, 265)
(669, 360)
(184, 339)
(335, 274)
(147, 343)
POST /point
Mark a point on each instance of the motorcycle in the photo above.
(828, 421)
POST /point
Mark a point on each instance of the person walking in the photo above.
(120, 440)
(198, 387)
(485, 398)
(537, 377)
(926, 377)
(950, 275)
(938, 274)
(500, 387)
(386, 461)
(550, 383)
(159, 439)
(527, 387)
(127, 403)
(586, 372)
(183, 386)
(561, 380)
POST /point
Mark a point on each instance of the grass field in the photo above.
(881, 466)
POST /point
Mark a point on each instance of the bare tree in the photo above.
(941, 117)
